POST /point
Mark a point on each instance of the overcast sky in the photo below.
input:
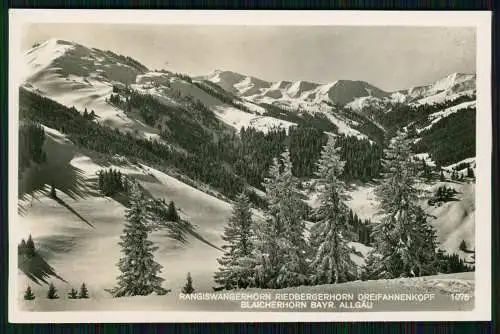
(391, 58)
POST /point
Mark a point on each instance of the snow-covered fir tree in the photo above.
(84, 292)
(139, 270)
(294, 268)
(236, 266)
(28, 294)
(331, 262)
(73, 294)
(404, 237)
(188, 288)
(52, 292)
(266, 253)
(280, 247)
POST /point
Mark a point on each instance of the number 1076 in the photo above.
(461, 297)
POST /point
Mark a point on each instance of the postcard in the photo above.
(208, 166)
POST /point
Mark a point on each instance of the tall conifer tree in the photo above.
(280, 245)
(404, 237)
(331, 261)
(235, 264)
(139, 271)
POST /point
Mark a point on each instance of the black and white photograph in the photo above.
(249, 166)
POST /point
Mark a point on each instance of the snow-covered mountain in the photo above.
(293, 93)
(355, 94)
(448, 88)
(334, 98)
(75, 75)
(83, 77)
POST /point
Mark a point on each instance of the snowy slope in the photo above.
(437, 116)
(454, 221)
(82, 234)
(41, 56)
(236, 83)
(447, 88)
(238, 119)
(165, 85)
(80, 77)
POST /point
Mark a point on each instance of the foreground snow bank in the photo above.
(433, 293)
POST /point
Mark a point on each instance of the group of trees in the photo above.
(31, 140)
(83, 293)
(361, 228)
(301, 118)
(452, 263)
(451, 139)
(362, 158)
(27, 248)
(442, 194)
(274, 253)
(270, 254)
(397, 115)
(89, 115)
(257, 149)
(111, 182)
(222, 95)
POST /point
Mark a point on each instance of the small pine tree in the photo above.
(188, 288)
(84, 292)
(441, 176)
(172, 214)
(53, 193)
(28, 294)
(463, 246)
(101, 181)
(73, 294)
(52, 293)
(30, 247)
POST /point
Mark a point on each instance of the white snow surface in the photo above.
(448, 88)
(41, 56)
(427, 158)
(237, 119)
(77, 250)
